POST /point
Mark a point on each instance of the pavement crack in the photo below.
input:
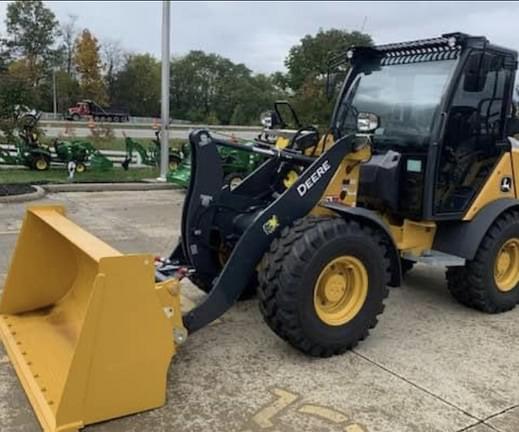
(501, 412)
(419, 387)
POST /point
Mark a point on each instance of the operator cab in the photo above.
(441, 107)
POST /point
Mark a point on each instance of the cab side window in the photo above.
(474, 125)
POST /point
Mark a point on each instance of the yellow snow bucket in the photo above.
(88, 330)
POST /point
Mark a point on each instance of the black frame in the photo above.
(428, 50)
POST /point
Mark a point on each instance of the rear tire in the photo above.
(290, 278)
(80, 167)
(76, 117)
(478, 285)
(40, 163)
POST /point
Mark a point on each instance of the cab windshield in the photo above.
(405, 97)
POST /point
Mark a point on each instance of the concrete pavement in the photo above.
(431, 365)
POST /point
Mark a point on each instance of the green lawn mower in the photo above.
(81, 153)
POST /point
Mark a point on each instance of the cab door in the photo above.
(474, 136)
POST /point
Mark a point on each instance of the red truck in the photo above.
(88, 108)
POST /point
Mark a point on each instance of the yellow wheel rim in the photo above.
(41, 164)
(80, 168)
(506, 267)
(341, 290)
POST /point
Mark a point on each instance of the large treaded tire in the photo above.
(474, 285)
(289, 271)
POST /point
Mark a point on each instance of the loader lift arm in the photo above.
(206, 200)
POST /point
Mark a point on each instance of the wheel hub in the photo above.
(506, 268)
(334, 288)
(341, 290)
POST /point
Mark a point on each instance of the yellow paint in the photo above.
(324, 144)
(344, 184)
(282, 142)
(88, 331)
(491, 190)
(264, 417)
(341, 290)
(413, 237)
(290, 178)
(515, 168)
(271, 224)
(324, 413)
(355, 428)
(506, 266)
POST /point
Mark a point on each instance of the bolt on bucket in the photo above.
(87, 329)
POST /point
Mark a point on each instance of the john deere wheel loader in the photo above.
(417, 165)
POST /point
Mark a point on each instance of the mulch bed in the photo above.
(15, 189)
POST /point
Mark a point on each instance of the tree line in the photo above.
(39, 53)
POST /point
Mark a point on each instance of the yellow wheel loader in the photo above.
(417, 166)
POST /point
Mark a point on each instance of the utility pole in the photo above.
(54, 93)
(164, 127)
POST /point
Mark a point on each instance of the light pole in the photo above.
(164, 127)
(54, 93)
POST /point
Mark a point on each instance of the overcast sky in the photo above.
(260, 34)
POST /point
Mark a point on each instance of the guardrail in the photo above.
(116, 156)
(179, 126)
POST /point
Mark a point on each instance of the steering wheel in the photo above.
(299, 136)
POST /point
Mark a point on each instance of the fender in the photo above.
(372, 218)
(462, 238)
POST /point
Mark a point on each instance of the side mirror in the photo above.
(286, 114)
(367, 122)
(270, 120)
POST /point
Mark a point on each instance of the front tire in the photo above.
(322, 284)
(490, 282)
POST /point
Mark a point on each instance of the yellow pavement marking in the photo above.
(264, 416)
(355, 428)
(324, 413)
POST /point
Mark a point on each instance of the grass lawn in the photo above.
(60, 175)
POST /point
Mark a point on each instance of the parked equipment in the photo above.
(236, 165)
(150, 156)
(89, 109)
(29, 151)
(416, 165)
(82, 153)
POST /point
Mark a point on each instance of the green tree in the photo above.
(307, 65)
(210, 88)
(32, 30)
(137, 85)
(113, 60)
(87, 60)
(68, 33)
